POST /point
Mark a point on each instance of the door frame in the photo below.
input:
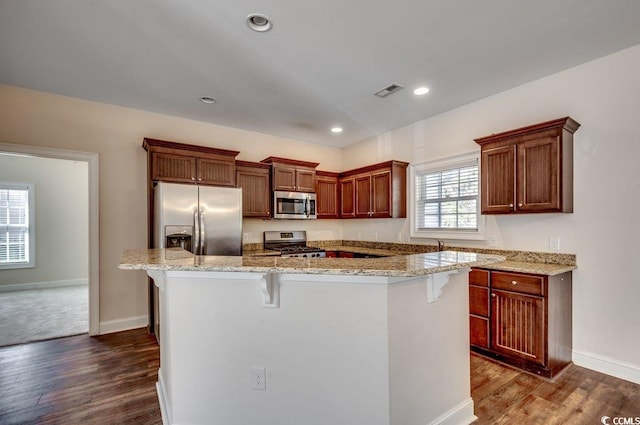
(92, 159)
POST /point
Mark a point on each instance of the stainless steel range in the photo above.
(291, 244)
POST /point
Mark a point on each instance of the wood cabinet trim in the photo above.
(288, 161)
(374, 167)
(155, 144)
(566, 123)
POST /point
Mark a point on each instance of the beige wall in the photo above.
(115, 133)
(61, 218)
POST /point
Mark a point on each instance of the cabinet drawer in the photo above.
(533, 285)
(479, 277)
(479, 300)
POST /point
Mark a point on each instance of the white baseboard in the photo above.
(43, 285)
(606, 365)
(162, 399)
(462, 414)
(111, 326)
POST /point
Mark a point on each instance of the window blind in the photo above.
(447, 197)
(14, 224)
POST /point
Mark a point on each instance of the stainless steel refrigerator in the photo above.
(205, 220)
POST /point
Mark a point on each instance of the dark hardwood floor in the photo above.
(577, 396)
(81, 380)
(111, 380)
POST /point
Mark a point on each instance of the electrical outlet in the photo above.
(245, 237)
(493, 241)
(258, 378)
(554, 244)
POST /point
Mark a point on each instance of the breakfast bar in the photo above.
(312, 340)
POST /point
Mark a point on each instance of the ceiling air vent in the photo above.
(391, 88)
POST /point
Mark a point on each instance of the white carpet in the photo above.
(39, 314)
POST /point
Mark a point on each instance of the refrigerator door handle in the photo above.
(196, 232)
(203, 234)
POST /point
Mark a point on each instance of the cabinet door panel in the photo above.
(363, 196)
(305, 180)
(479, 331)
(381, 194)
(538, 175)
(479, 277)
(478, 300)
(518, 326)
(216, 172)
(327, 197)
(173, 168)
(284, 178)
(498, 180)
(255, 192)
(347, 198)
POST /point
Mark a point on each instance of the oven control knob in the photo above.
(304, 255)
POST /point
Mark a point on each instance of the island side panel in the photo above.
(325, 350)
(429, 353)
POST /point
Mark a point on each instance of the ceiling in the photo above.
(319, 65)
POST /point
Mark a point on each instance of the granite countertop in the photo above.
(532, 268)
(395, 266)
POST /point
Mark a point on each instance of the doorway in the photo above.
(66, 242)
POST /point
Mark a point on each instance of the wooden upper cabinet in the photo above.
(215, 172)
(182, 163)
(539, 175)
(254, 178)
(292, 175)
(305, 180)
(327, 201)
(363, 196)
(172, 167)
(382, 194)
(376, 191)
(528, 170)
(498, 180)
(347, 197)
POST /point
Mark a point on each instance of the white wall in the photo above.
(115, 133)
(61, 227)
(604, 96)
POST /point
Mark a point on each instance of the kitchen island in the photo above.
(276, 340)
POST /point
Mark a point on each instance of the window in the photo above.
(445, 201)
(16, 226)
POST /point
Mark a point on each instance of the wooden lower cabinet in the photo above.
(527, 322)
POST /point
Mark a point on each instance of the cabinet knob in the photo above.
(493, 295)
(513, 282)
(268, 213)
(510, 205)
(520, 204)
(193, 179)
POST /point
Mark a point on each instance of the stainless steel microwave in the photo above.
(296, 205)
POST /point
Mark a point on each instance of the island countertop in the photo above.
(397, 266)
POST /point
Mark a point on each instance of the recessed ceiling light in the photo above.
(336, 130)
(207, 99)
(421, 91)
(259, 22)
